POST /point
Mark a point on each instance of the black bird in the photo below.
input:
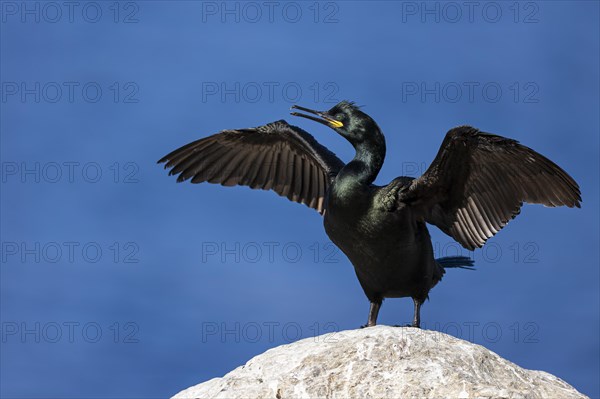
(476, 184)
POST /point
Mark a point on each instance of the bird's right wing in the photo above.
(276, 156)
(478, 181)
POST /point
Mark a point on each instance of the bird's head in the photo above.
(346, 119)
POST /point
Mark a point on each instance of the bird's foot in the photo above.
(367, 325)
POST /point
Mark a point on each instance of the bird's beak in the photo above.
(324, 118)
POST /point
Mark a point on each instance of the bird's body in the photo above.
(475, 185)
(391, 251)
(388, 246)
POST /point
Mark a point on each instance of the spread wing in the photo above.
(478, 182)
(276, 156)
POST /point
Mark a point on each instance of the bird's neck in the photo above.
(367, 162)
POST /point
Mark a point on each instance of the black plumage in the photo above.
(479, 181)
(475, 185)
(276, 156)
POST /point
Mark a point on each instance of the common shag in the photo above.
(475, 185)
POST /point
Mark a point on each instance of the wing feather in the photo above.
(234, 170)
(297, 178)
(478, 182)
(276, 156)
(255, 170)
(267, 170)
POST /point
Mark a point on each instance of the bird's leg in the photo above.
(373, 312)
(417, 316)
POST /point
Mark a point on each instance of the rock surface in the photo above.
(382, 362)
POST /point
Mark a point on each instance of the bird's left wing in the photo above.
(276, 156)
(478, 182)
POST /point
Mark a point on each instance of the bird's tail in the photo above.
(462, 262)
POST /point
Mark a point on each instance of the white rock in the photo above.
(382, 362)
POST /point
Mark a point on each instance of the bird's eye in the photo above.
(339, 117)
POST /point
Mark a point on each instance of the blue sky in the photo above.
(118, 282)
